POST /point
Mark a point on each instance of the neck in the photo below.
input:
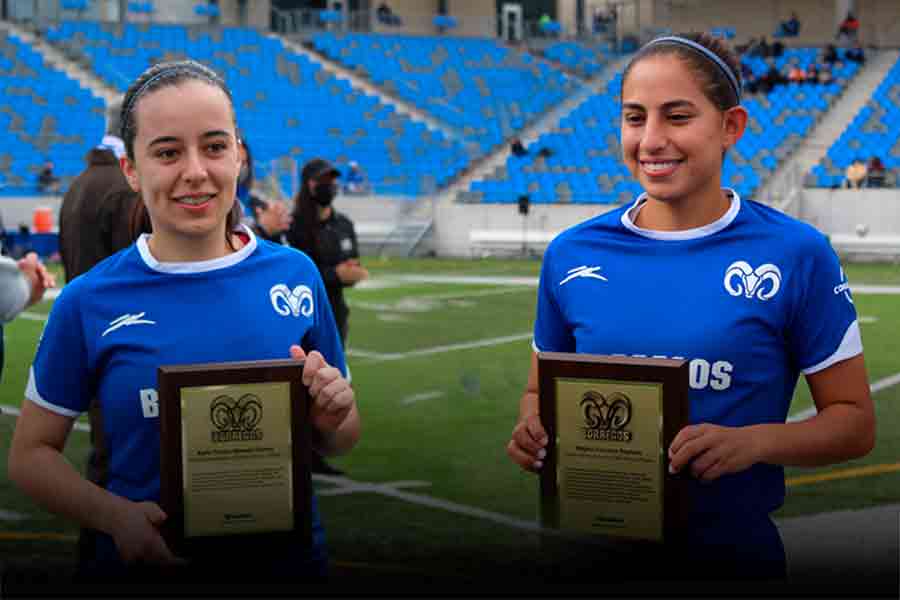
(324, 212)
(685, 213)
(167, 247)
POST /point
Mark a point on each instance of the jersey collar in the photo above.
(199, 266)
(719, 224)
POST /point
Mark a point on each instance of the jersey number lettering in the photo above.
(150, 403)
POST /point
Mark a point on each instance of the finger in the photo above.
(339, 396)
(314, 362)
(688, 451)
(154, 513)
(685, 435)
(297, 352)
(526, 442)
(323, 377)
(536, 430)
(522, 458)
(703, 462)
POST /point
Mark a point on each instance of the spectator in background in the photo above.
(518, 148)
(96, 210)
(22, 283)
(355, 180)
(876, 173)
(271, 219)
(856, 54)
(830, 55)
(789, 28)
(849, 28)
(796, 74)
(855, 174)
(825, 76)
(47, 181)
(386, 16)
(812, 73)
(329, 239)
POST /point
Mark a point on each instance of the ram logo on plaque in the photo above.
(606, 419)
(236, 420)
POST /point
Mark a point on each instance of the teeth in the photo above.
(196, 201)
(659, 166)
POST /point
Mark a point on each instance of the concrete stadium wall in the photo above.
(840, 211)
(879, 22)
(16, 210)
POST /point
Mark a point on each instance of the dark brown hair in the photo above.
(162, 75)
(716, 84)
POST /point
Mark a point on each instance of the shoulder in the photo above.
(281, 254)
(791, 232)
(605, 224)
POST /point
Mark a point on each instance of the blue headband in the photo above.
(723, 66)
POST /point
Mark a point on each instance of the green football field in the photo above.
(438, 363)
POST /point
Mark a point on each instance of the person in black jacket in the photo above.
(329, 239)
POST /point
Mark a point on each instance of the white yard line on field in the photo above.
(422, 396)
(881, 384)
(30, 316)
(15, 411)
(441, 349)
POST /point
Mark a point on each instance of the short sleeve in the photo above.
(59, 377)
(823, 329)
(551, 331)
(324, 335)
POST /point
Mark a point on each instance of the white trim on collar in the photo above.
(201, 266)
(688, 234)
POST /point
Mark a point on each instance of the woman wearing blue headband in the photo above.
(749, 296)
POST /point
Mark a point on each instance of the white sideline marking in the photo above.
(8, 515)
(876, 387)
(867, 320)
(390, 490)
(346, 486)
(874, 289)
(30, 316)
(422, 396)
(14, 411)
(441, 349)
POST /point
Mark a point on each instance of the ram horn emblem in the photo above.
(228, 414)
(601, 412)
(743, 280)
(285, 301)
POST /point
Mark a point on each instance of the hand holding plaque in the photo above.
(609, 423)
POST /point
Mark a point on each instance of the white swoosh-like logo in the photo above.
(126, 320)
(583, 271)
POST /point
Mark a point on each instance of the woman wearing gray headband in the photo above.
(750, 297)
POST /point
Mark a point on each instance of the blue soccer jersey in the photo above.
(751, 300)
(111, 328)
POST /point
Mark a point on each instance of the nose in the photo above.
(194, 167)
(655, 136)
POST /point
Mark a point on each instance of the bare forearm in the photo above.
(838, 433)
(45, 476)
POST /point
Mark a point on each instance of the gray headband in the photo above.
(706, 52)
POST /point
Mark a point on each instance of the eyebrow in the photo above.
(666, 106)
(170, 138)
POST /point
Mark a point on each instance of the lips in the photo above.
(660, 168)
(195, 200)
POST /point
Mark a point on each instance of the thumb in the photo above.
(536, 429)
(297, 352)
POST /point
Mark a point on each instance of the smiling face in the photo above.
(186, 164)
(673, 136)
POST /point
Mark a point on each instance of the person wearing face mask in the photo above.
(329, 239)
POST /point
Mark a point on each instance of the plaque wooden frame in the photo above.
(171, 379)
(670, 373)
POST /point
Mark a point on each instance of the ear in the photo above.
(734, 124)
(130, 173)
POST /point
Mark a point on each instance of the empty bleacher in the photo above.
(288, 107)
(585, 167)
(475, 85)
(44, 116)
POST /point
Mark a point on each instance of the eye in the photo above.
(634, 118)
(166, 153)
(217, 147)
(679, 117)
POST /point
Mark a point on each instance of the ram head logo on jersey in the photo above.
(605, 418)
(763, 282)
(285, 301)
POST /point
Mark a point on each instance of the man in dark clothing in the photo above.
(95, 216)
(270, 219)
(329, 239)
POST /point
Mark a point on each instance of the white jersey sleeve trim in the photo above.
(202, 266)
(850, 346)
(32, 394)
(534, 346)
